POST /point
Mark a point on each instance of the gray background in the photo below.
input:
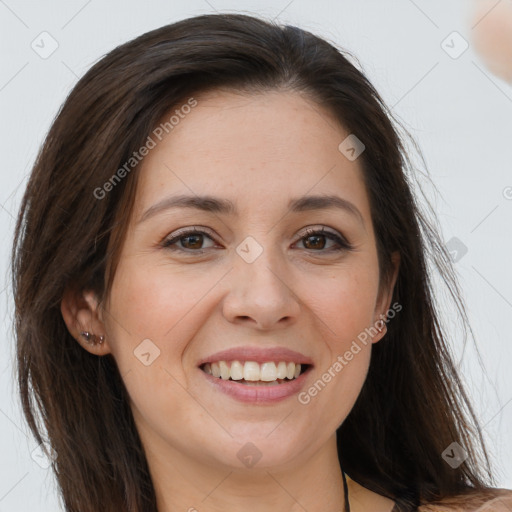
(460, 114)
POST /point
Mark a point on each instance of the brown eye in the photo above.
(192, 241)
(316, 240)
(187, 241)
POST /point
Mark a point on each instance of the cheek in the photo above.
(152, 316)
(344, 302)
(153, 302)
(344, 307)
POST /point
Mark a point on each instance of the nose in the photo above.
(260, 294)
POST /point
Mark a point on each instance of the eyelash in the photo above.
(342, 244)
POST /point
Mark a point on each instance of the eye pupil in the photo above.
(315, 244)
(196, 245)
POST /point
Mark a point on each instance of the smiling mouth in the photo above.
(254, 374)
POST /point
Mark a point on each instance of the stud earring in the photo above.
(382, 323)
(92, 338)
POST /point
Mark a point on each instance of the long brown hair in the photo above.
(412, 405)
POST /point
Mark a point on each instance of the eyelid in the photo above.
(318, 229)
(190, 229)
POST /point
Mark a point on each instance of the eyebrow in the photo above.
(218, 205)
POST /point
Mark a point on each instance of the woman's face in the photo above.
(249, 285)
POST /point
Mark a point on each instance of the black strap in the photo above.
(346, 508)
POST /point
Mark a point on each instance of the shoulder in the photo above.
(493, 500)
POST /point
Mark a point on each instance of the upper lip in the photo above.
(258, 355)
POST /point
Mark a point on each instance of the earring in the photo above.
(382, 322)
(91, 338)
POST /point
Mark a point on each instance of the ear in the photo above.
(384, 299)
(82, 312)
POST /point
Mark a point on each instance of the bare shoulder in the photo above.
(493, 500)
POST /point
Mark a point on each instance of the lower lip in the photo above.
(258, 393)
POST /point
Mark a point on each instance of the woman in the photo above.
(221, 285)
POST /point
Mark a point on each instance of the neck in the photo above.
(182, 483)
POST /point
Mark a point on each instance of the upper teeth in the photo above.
(252, 371)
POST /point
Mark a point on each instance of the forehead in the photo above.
(256, 150)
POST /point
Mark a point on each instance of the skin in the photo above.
(259, 151)
(492, 36)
